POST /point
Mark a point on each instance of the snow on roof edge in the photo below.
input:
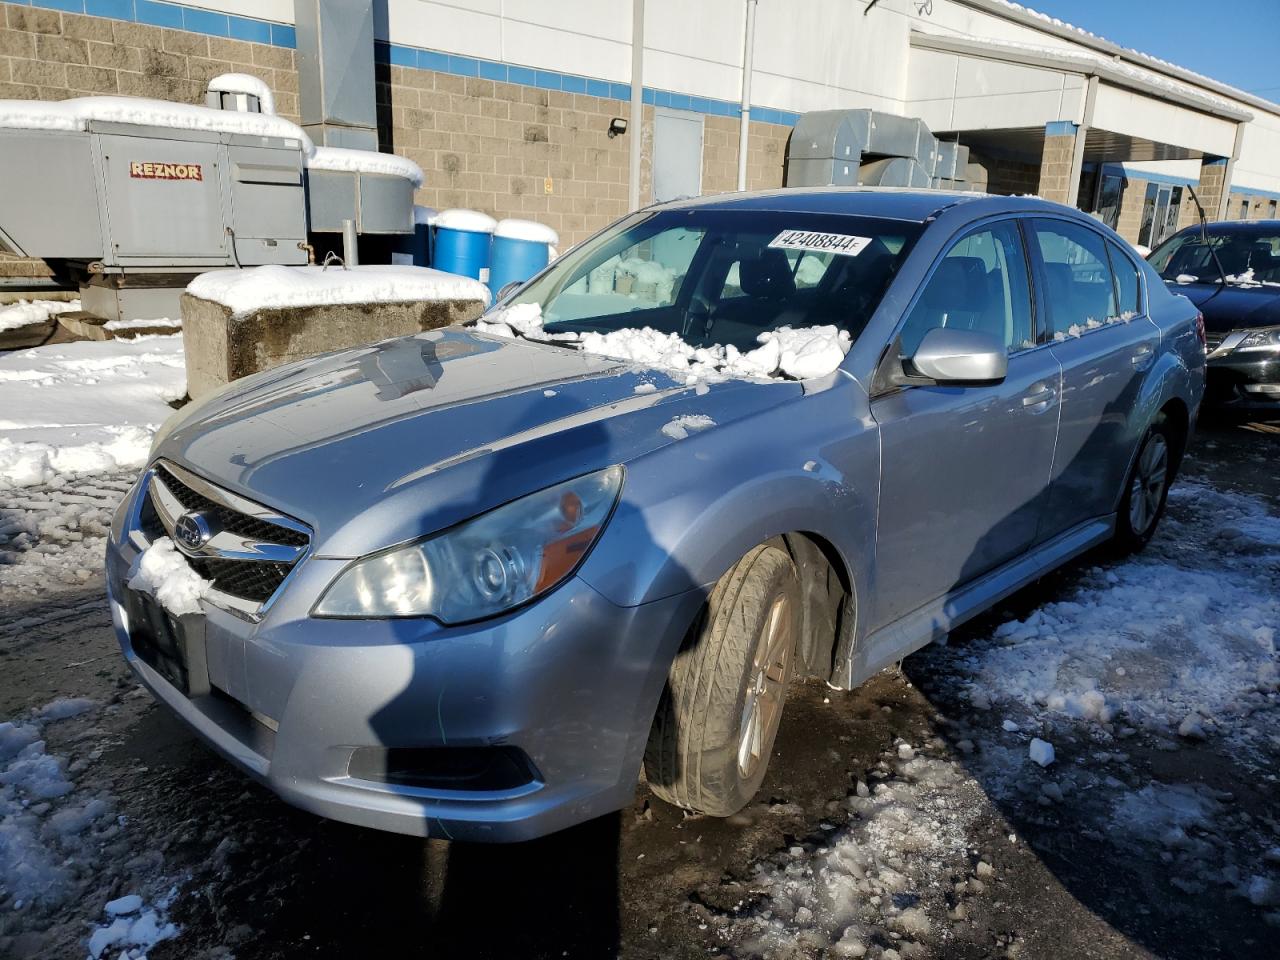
(1242, 95)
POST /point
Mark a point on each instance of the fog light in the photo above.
(1269, 389)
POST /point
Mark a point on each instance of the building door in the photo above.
(677, 154)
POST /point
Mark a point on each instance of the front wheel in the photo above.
(711, 740)
(1147, 491)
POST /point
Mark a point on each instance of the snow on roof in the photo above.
(76, 114)
(274, 287)
(526, 230)
(472, 221)
(365, 161)
(245, 83)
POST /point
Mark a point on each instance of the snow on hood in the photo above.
(783, 354)
(276, 287)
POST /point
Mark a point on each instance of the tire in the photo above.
(710, 743)
(1146, 491)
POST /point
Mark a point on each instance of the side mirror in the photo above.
(959, 356)
(508, 289)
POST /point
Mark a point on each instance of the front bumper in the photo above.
(1248, 381)
(571, 682)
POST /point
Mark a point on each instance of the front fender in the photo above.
(692, 509)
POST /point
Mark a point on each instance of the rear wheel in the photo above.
(1147, 491)
(710, 743)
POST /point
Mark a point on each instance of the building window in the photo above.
(1110, 196)
(1271, 210)
(1244, 209)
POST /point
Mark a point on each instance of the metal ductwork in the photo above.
(873, 148)
(335, 72)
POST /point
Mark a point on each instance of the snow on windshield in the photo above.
(783, 354)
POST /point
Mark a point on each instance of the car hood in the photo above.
(377, 445)
(1233, 307)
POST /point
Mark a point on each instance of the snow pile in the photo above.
(1172, 641)
(888, 870)
(277, 287)
(244, 83)
(62, 846)
(132, 930)
(529, 230)
(680, 427)
(786, 353)
(345, 160)
(40, 837)
(162, 571)
(76, 113)
(87, 407)
(26, 312)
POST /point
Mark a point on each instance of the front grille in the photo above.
(253, 581)
(1213, 340)
(228, 519)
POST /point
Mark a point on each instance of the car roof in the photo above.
(1237, 226)
(894, 203)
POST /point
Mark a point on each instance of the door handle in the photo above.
(1041, 396)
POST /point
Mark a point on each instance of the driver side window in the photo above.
(981, 284)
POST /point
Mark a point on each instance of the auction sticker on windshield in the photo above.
(841, 244)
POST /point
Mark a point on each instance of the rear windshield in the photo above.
(723, 277)
(1247, 256)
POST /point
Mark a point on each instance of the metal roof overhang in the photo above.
(1084, 64)
(1065, 31)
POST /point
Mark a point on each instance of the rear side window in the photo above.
(1079, 288)
(981, 284)
(1128, 286)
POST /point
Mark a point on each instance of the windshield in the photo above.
(1247, 256)
(722, 278)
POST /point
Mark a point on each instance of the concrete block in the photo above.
(221, 348)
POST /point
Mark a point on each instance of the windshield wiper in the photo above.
(1204, 235)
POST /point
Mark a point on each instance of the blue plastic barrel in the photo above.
(520, 249)
(462, 243)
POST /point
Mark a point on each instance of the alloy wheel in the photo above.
(1146, 490)
(767, 688)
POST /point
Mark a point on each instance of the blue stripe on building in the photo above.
(177, 16)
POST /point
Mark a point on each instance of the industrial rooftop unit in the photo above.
(129, 198)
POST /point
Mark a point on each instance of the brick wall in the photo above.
(1135, 194)
(1055, 168)
(1008, 177)
(517, 151)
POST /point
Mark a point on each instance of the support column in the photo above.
(1059, 174)
(1214, 187)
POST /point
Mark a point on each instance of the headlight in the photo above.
(1268, 338)
(484, 566)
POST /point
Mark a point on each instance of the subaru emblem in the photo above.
(192, 531)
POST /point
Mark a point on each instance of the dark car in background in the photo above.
(1231, 271)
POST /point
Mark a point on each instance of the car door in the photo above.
(964, 469)
(1105, 342)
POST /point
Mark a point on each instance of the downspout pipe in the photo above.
(744, 128)
(636, 128)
